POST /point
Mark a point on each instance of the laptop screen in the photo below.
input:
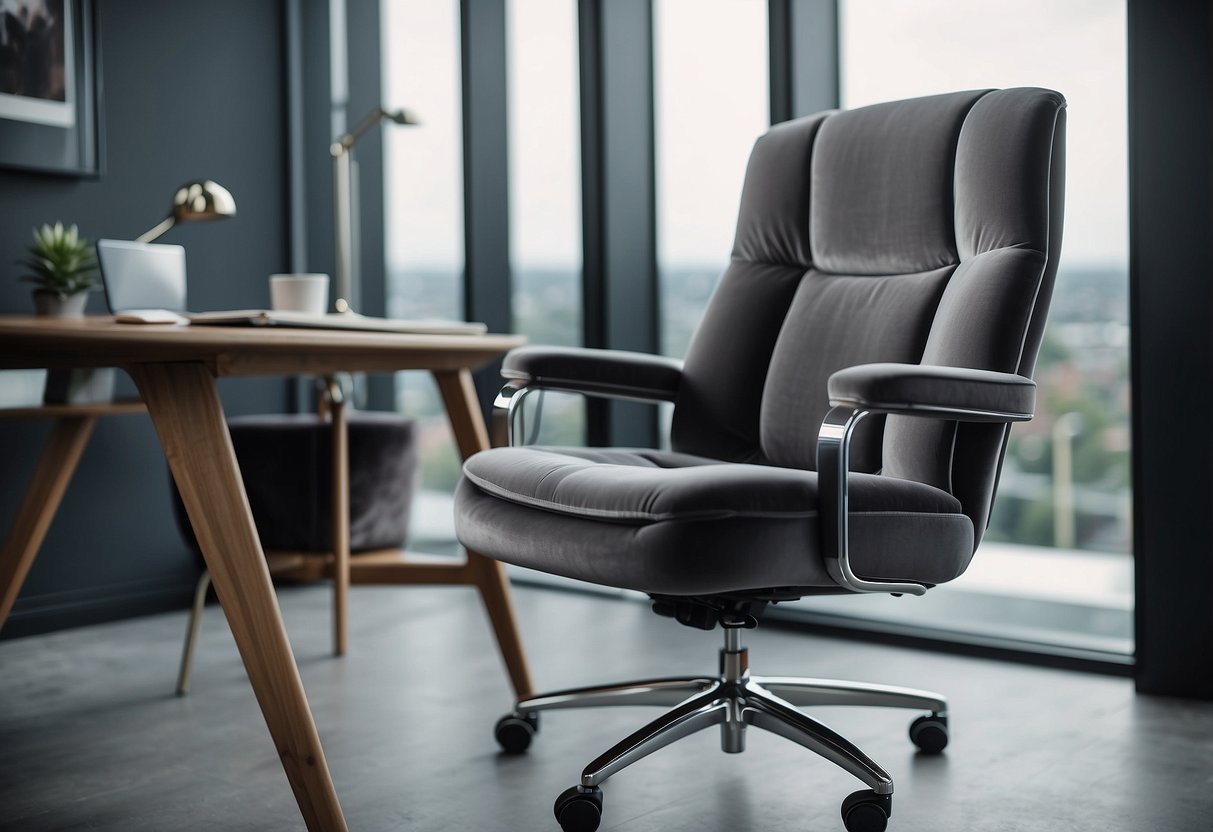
(142, 275)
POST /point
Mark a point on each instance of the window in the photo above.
(545, 191)
(423, 218)
(711, 89)
(1063, 508)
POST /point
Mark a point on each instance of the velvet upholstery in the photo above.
(899, 529)
(716, 412)
(928, 386)
(881, 192)
(838, 321)
(286, 463)
(604, 372)
(919, 232)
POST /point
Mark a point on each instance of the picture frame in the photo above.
(50, 84)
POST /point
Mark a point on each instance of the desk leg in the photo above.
(488, 576)
(55, 468)
(185, 408)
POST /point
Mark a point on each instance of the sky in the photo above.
(712, 102)
(423, 165)
(896, 49)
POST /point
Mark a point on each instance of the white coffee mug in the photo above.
(308, 293)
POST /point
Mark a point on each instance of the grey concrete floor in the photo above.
(92, 737)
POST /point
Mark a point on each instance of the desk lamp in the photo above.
(201, 199)
(341, 151)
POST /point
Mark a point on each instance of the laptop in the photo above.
(143, 282)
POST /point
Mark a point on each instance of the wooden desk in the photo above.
(175, 370)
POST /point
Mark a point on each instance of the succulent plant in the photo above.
(62, 261)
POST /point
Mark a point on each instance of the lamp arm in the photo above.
(343, 210)
(157, 231)
(346, 140)
(343, 206)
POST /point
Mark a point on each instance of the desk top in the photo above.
(97, 341)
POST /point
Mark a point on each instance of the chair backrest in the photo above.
(921, 231)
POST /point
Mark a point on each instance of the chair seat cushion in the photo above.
(673, 523)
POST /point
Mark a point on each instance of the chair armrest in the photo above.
(954, 393)
(614, 374)
(609, 373)
(928, 390)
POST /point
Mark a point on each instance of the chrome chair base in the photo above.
(735, 700)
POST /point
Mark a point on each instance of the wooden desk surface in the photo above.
(97, 341)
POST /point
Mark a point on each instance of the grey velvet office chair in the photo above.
(839, 421)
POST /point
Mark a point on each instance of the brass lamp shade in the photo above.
(198, 200)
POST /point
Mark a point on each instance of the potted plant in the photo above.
(62, 265)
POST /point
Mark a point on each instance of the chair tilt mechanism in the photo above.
(839, 420)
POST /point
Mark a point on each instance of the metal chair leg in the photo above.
(700, 711)
(763, 710)
(809, 692)
(191, 633)
(667, 692)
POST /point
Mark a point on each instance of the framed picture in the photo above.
(49, 84)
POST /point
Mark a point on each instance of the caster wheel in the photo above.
(579, 809)
(514, 732)
(866, 811)
(930, 733)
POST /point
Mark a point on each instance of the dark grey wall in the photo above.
(189, 90)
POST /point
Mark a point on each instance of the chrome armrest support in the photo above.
(833, 468)
(507, 406)
(833, 465)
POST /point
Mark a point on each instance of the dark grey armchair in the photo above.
(839, 421)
